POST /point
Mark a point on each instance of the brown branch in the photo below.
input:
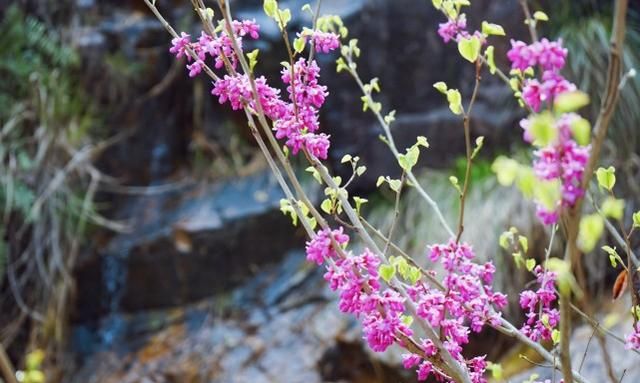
(7, 367)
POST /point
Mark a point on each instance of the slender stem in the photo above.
(410, 175)
(565, 335)
(467, 142)
(396, 214)
(530, 21)
(8, 372)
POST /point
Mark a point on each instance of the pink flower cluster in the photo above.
(217, 47)
(325, 42)
(551, 57)
(468, 303)
(632, 341)
(456, 29)
(562, 159)
(452, 29)
(541, 317)
(356, 278)
(299, 122)
(295, 120)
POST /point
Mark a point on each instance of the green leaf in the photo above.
(298, 44)
(469, 48)
(270, 7)
(613, 255)
(441, 87)
(253, 58)
(410, 159)
(636, 219)
(548, 193)
(492, 29)
(284, 16)
(387, 272)
(581, 130)
(476, 150)
(407, 320)
(589, 232)
(307, 8)
(395, 185)
(346, 158)
(606, 177)
(489, 54)
(437, 3)
(530, 264)
(526, 181)
(380, 181)
(359, 202)
(360, 170)
(341, 65)
(542, 129)
(524, 243)
(541, 16)
(505, 238)
(496, 370)
(613, 208)
(315, 174)
(327, 206)
(414, 275)
(570, 101)
(455, 101)
(555, 336)
(422, 141)
(454, 182)
(390, 117)
(506, 170)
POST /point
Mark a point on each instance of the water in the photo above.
(114, 276)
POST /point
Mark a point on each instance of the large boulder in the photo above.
(185, 245)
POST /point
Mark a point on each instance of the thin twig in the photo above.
(468, 153)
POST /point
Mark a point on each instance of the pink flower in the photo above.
(632, 341)
(325, 42)
(195, 68)
(548, 54)
(317, 144)
(541, 317)
(246, 27)
(452, 28)
(320, 248)
(532, 94)
(179, 44)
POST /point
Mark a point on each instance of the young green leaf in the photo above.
(492, 29)
(441, 87)
(606, 177)
(530, 264)
(469, 48)
(387, 272)
(543, 129)
(613, 208)
(581, 131)
(489, 54)
(541, 16)
(455, 101)
(298, 44)
(570, 101)
(270, 7)
(589, 232)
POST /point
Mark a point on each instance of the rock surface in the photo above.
(186, 245)
(282, 326)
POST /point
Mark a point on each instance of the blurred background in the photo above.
(141, 236)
